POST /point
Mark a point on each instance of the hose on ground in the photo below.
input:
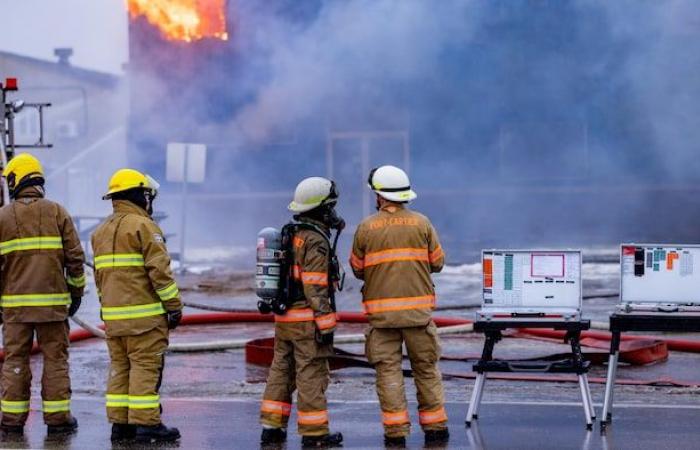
(342, 339)
(217, 308)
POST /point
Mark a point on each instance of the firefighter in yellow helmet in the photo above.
(140, 303)
(394, 252)
(304, 335)
(42, 280)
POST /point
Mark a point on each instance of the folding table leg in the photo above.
(587, 407)
(590, 397)
(609, 388)
(481, 395)
(476, 398)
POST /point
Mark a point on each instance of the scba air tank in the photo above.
(269, 263)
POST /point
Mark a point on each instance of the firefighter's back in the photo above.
(397, 250)
(34, 287)
(130, 304)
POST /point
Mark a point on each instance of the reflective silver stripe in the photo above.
(14, 406)
(132, 312)
(168, 292)
(52, 406)
(33, 243)
(144, 401)
(77, 281)
(13, 301)
(117, 400)
(119, 260)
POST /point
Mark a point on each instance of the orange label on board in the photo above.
(488, 273)
(670, 258)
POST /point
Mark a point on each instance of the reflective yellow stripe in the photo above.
(117, 400)
(33, 243)
(168, 292)
(132, 312)
(119, 260)
(15, 406)
(144, 401)
(77, 281)
(13, 301)
(52, 406)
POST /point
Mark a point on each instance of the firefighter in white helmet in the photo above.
(394, 252)
(304, 335)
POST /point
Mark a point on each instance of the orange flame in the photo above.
(183, 20)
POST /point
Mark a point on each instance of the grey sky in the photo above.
(96, 29)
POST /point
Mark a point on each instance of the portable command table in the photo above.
(531, 289)
(659, 291)
(576, 364)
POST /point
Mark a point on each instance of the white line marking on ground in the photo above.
(375, 402)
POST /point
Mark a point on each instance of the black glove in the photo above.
(324, 338)
(1, 319)
(74, 305)
(174, 318)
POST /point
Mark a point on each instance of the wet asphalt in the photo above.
(220, 423)
(214, 397)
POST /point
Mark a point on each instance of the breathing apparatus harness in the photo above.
(290, 290)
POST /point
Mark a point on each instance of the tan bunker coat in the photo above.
(394, 252)
(300, 363)
(41, 268)
(136, 288)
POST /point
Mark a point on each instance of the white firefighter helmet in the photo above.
(313, 192)
(391, 183)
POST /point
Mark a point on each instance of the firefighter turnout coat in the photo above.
(394, 252)
(41, 268)
(300, 362)
(136, 289)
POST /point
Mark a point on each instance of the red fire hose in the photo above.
(681, 345)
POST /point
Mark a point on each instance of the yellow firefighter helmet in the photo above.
(125, 179)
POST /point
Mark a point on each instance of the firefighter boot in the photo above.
(436, 437)
(67, 427)
(273, 436)
(156, 433)
(323, 441)
(394, 441)
(123, 432)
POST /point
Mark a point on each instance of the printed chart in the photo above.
(654, 273)
(532, 280)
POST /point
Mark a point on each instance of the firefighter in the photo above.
(140, 304)
(42, 279)
(304, 335)
(394, 252)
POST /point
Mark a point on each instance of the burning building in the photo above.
(522, 124)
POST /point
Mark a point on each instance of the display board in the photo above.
(531, 281)
(660, 273)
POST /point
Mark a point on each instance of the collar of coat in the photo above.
(30, 192)
(393, 207)
(317, 223)
(126, 207)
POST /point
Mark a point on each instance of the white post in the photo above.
(183, 214)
